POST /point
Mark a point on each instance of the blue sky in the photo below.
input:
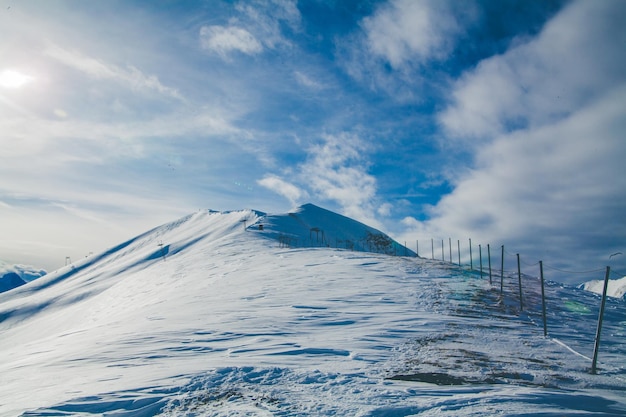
(500, 121)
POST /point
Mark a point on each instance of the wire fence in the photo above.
(522, 287)
(439, 250)
(526, 289)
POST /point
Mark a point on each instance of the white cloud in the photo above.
(264, 18)
(336, 170)
(224, 40)
(405, 31)
(291, 192)
(95, 68)
(396, 46)
(257, 27)
(545, 122)
(556, 188)
(575, 59)
(307, 81)
(385, 209)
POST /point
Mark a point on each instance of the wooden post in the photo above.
(443, 257)
(450, 244)
(543, 301)
(600, 317)
(432, 248)
(458, 244)
(519, 278)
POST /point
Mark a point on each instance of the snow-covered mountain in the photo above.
(615, 287)
(12, 276)
(244, 313)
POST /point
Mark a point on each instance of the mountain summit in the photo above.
(310, 226)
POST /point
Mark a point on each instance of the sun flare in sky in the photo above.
(12, 79)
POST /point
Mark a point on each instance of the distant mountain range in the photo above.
(616, 287)
(13, 276)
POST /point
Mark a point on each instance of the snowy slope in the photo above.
(204, 317)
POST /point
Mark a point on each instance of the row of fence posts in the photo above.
(519, 276)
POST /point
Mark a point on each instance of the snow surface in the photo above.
(204, 317)
(615, 288)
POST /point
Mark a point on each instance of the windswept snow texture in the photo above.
(615, 288)
(204, 317)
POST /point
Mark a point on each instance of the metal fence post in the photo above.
(480, 255)
(502, 272)
(543, 301)
(519, 278)
(489, 258)
(471, 260)
(600, 317)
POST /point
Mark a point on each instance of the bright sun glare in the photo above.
(13, 79)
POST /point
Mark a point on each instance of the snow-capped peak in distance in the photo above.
(12, 276)
(615, 288)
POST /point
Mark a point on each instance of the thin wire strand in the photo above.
(617, 273)
(547, 266)
(572, 272)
